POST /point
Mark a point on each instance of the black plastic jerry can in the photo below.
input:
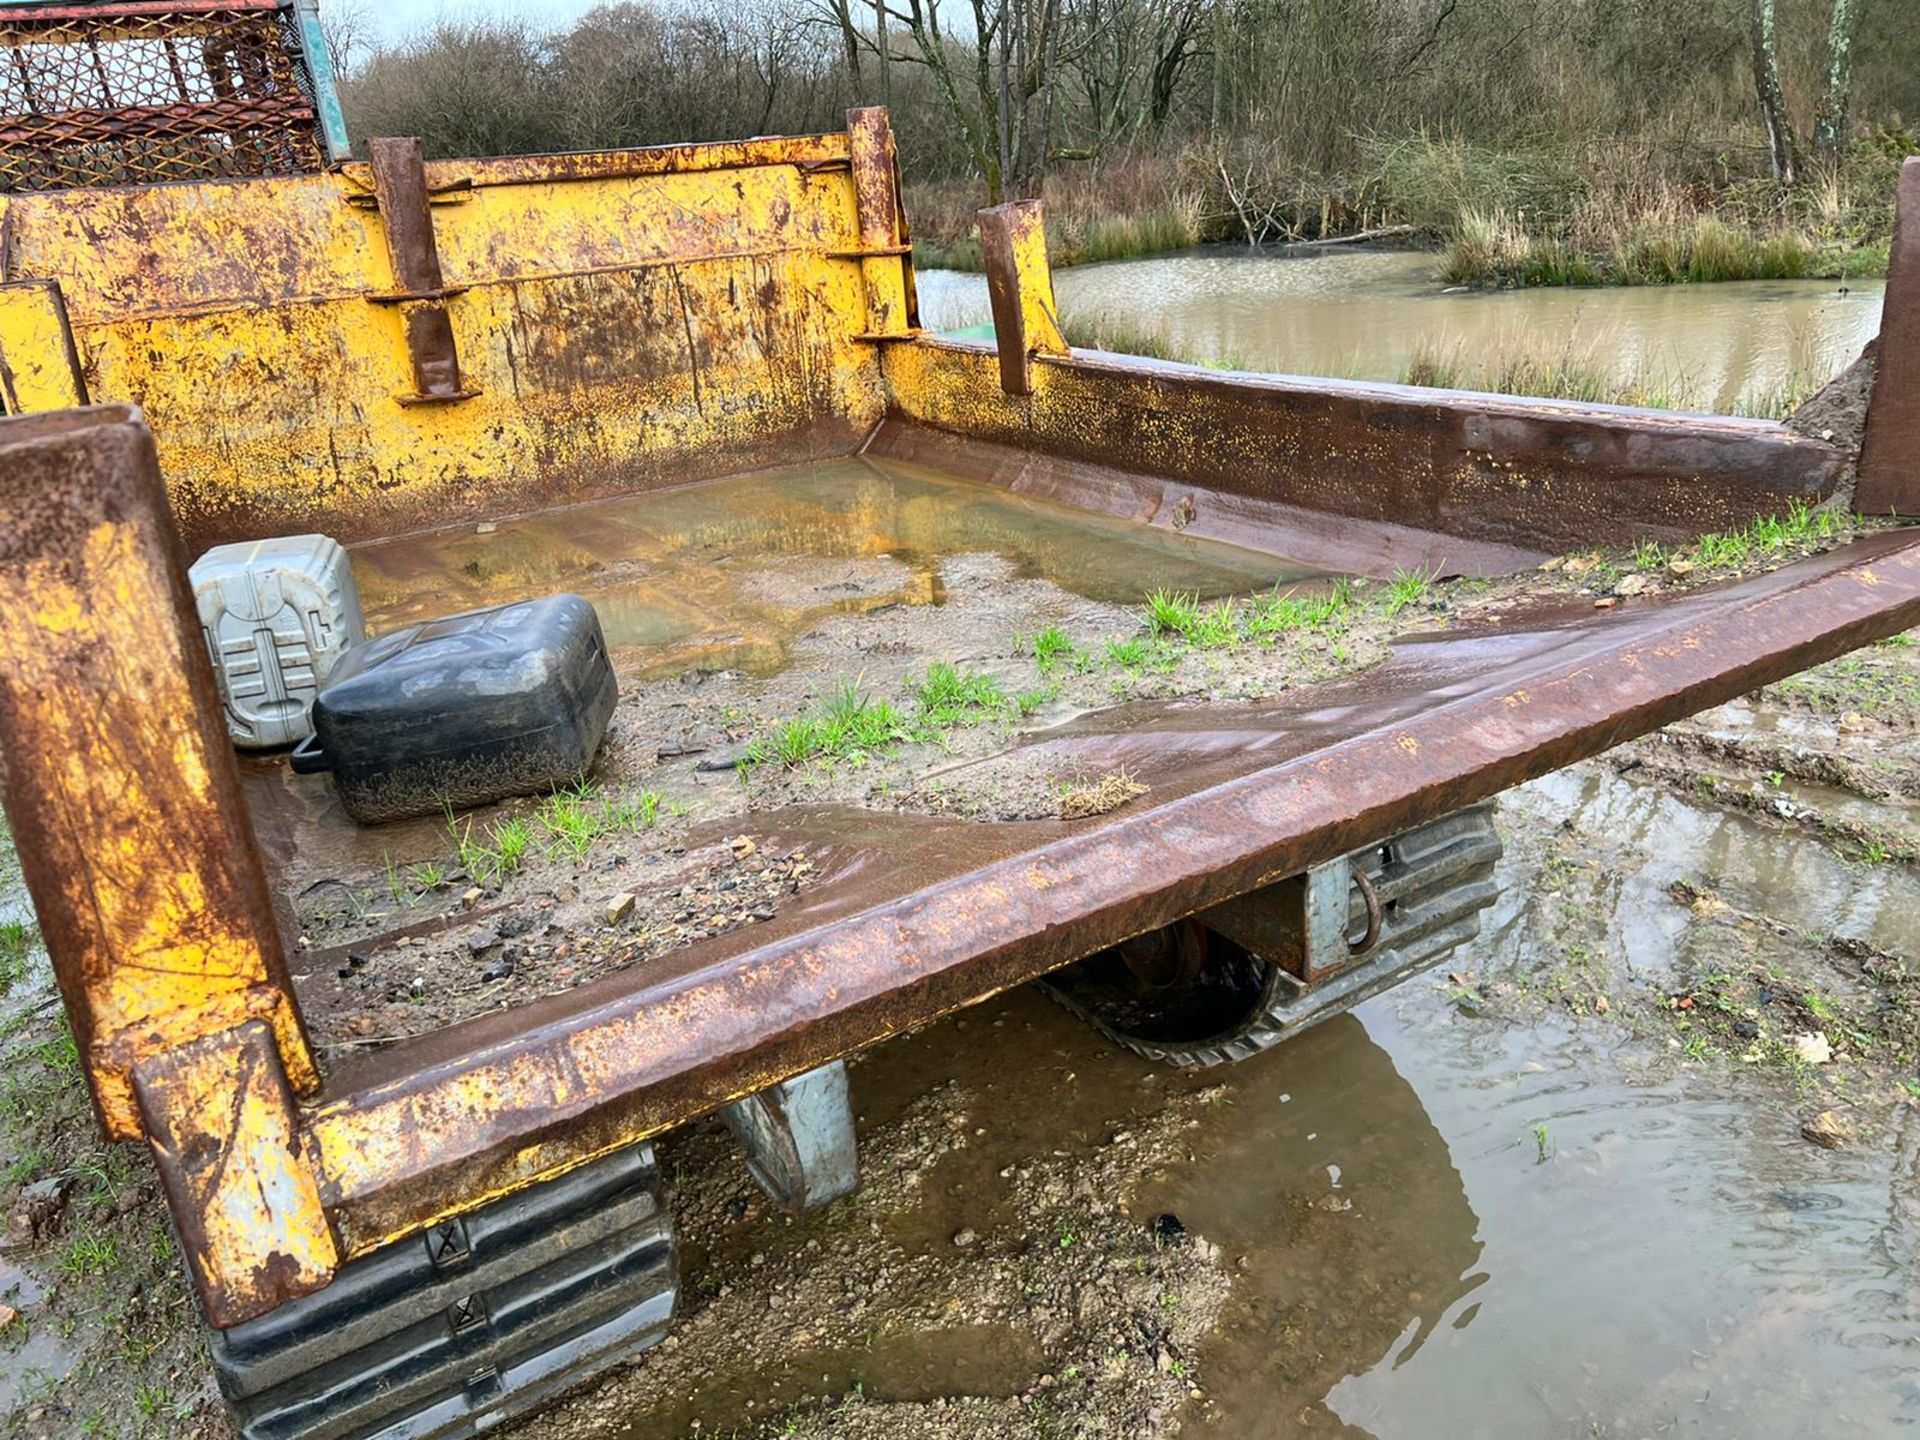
(464, 711)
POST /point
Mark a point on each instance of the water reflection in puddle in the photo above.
(1755, 867)
(724, 575)
(1562, 1237)
(37, 1355)
(1679, 1260)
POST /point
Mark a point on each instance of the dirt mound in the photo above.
(1837, 414)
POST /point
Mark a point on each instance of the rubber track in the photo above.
(1432, 883)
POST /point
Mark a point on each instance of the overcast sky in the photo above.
(394, 20)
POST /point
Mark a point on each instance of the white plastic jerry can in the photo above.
(277, 616)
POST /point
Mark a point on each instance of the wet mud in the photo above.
(726, 575)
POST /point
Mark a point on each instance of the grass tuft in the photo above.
(1227, 624)
(1028, 701)
(1173, 614)
(575, 819)
(1052, 647)
(1408, 587)
(16, 942)
(1279, 614)
(1800, 526)
(1655, 236)
(949, 697)
(89, 1254)
(847, 725)
(494, 854)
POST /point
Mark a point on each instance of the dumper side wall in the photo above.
(622, 321)
(1489, 478)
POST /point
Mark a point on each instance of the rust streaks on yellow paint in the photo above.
(225, 1136)
(136, 846)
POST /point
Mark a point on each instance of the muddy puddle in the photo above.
(38, 1355)
(1666, 839)
(724, 576)
(1549, 1226)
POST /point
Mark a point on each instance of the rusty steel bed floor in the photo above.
(865, 916)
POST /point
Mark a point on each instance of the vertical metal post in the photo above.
(1889, 476)
(123, 797)
(119, 780)
(799, 1138)
(885, 256)
(326, 94)
(1026, 322)
(400, 189)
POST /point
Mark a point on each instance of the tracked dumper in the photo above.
(702, 368)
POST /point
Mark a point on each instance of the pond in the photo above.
(1366, 314)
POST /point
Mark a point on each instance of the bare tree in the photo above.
(348, 27)
(1029, 52)
(1127, 57)
(1766, 81)
(1830, 119)
(1288, 93)
(839, 13)
(883, 51)
(997, 81)
(1176, 30)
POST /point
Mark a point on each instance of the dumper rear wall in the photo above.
(622, 321)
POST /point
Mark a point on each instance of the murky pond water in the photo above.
(716, 575)
(1366, 314)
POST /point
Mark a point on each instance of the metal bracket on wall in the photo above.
(421, 292)
(1302, 923)
(798, 1137)
(884, 252)
(1026, 322)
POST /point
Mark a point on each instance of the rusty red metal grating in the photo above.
(119, 94)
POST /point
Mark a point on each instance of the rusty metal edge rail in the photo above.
(398, 1155)
(1492, 402)
(828, 151)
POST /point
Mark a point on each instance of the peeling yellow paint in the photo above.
(38, 367)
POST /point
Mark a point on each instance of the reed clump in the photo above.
(1593, 375)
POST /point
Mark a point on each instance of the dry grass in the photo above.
(1124, 334)
(1625, 231)
(1082, 799)
(1592, 373)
